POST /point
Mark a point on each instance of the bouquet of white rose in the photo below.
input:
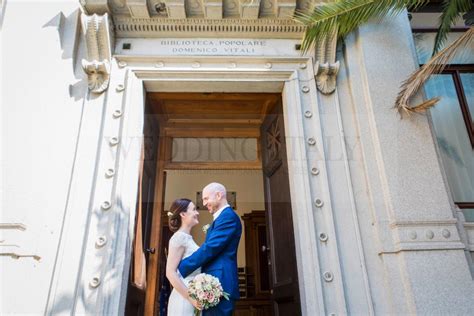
(207, 290)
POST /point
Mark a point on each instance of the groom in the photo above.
(218, 255)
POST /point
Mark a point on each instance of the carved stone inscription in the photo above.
(213, 46)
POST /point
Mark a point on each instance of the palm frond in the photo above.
(346, 16)
(468, 17)
(435, 65)
(452, 9)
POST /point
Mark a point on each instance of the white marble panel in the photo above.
(208, 47)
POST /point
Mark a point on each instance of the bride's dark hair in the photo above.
(177, 207)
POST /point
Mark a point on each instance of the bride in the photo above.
(182, 217)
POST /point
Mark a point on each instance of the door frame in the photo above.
(293, 77)
(164, 163)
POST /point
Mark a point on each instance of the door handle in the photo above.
(266, 250)
(150, 250)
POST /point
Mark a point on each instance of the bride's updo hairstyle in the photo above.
(177, 207)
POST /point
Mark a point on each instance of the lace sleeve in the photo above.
(177, 240)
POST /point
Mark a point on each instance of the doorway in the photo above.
(192, 139)
(246, 196)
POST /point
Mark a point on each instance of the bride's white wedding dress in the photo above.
(178, 305)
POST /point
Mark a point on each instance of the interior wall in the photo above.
(247, 183)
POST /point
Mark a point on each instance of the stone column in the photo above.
(415, 258)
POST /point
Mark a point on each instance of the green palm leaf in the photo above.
(345, 16)
(452, 9)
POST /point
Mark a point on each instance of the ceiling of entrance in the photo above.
(230, 109)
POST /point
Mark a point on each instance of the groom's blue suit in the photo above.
(218, 257)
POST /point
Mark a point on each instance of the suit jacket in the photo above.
(218, 255)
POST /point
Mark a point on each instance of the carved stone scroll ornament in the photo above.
(98, 32)
(326, 66)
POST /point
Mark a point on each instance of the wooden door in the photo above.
(282, 257)
(143, 250)
(163, 287)
(256, 261)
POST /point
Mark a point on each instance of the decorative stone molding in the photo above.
(95, 6)
(10, 243)
(98, 31)
(425, 235)
(138, 8)
(167, 27)
(176, 9)
(213, 9)
(249, 9)
(326, 67)
(17, 226)
(285, 8)
(202, 18)
(209, 9)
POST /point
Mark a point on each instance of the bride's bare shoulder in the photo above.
(179, 239)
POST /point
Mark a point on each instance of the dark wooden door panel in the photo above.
(284, 277)
(142, 256)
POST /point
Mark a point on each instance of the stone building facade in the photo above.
(376, 227)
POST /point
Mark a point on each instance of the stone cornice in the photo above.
(203, 18)
(207, 9)
(234, 28)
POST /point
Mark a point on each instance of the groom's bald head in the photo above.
(214, 196)
(216, 187)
